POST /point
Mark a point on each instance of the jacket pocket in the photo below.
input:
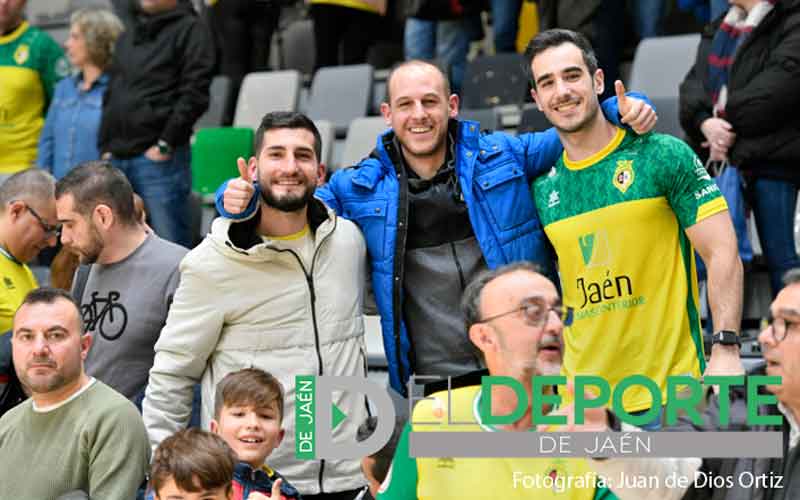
(370, 216)
(505, 196)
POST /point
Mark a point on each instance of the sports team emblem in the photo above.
(22, 53)
(624, 175)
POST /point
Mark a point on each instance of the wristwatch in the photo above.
(163, 147)
(726, 337)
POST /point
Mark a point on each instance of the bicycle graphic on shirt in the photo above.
(110, 320)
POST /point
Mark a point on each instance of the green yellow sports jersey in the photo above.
(30, 65)
(480, 478)
(617, 221)
(17, 281)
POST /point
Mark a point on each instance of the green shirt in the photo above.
(30, 65)
(94, 442)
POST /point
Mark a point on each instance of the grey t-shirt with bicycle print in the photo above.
(124, 306)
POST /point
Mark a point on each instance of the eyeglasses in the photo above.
(49, 230)
(780, 327)
(536, 311)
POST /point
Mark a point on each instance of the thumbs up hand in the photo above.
(239, 191)
(635, 112)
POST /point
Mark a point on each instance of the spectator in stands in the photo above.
(512, 314)
(69, 136)
(75, 432)
(349, 26)
(647, 17)
(437, 202)
(30, 65)
(248, 414)
(243, 33)
(734, 107)
(281, 292)
(780, 343)
(192, 464)
(95, 208)
(27, 225)
(159, 87)
(668, 203)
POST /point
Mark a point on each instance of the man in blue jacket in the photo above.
(437, 202)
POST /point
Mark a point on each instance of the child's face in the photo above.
(171, 491)
(252, 432)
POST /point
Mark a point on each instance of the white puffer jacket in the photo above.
(255, 306)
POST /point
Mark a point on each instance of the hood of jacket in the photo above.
(241, 241)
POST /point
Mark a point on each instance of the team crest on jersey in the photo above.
(22, 53)
(624, 175)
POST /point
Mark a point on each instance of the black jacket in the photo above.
(763, 96)
(160, 77)
(788, 466)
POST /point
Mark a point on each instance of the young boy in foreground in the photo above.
(248, 414)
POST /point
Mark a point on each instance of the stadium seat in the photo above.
(264, 92)
(297, 46)
(219, 90)
(327, 134)
(340, 94)
(668, 112)
(361, 139)
(495, 80)
(532, 120)
(660, 64)
(214, 154)
(489, 118)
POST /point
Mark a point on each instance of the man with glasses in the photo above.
(779, 477)
(27, 225)
(515, 319)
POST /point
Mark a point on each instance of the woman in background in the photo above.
(69, 136)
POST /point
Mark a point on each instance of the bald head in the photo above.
(415, 68)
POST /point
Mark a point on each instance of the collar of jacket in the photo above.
(261, 479)
(243, 235)
(387, 153)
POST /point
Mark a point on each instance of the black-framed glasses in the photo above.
(779, 327)
(47, 228)
(536, 311)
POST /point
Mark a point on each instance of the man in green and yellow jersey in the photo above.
(27, 225)
(30, 65)
(625, 214)
(515, 319)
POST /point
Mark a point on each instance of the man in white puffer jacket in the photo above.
(281, 291)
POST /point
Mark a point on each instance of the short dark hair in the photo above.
(554, 38)
(415, 62)
(192, 455)
(248, 387)
(383, 457)
(49, 295)
(287, 119)
(97, 182)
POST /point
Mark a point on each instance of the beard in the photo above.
(89, 253)
(49, 383)
(287, 202)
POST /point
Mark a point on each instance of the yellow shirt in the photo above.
(17, 280)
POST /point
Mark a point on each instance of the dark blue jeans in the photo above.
(774, 203)
(164, 187)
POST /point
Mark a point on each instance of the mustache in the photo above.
(42, 361)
